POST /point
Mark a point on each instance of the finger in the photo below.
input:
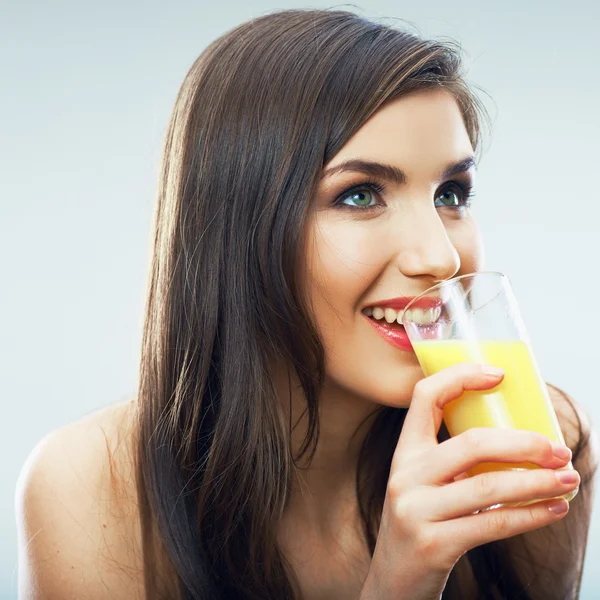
(500, 523)
(464, 497)
(424, 417)
(482, 444)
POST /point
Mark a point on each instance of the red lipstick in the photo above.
(396, 337)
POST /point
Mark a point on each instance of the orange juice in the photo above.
(520, 401)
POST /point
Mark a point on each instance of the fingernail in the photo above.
(492, 371)
(561, 451)
(567, 477)
(558, 506)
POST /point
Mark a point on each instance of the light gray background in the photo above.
(85, 93)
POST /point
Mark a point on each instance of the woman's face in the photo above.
(373, 238)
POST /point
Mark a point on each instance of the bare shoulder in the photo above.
(76, 507)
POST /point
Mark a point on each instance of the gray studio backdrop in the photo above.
(85, 94)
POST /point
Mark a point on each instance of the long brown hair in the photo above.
(259, 114)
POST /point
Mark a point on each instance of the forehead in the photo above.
(420, 131)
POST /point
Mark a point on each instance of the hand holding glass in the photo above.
(475, 318)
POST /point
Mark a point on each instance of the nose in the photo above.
(426, 249)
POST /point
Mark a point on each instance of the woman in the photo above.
(316, 166)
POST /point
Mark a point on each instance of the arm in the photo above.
(549, 561)
(70, 532)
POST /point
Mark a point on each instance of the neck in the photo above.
(323, 491)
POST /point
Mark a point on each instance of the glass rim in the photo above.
(451, 281)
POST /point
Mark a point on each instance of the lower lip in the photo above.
(396, 337)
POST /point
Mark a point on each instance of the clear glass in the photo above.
(475, 318)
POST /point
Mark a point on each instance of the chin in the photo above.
(394, 389)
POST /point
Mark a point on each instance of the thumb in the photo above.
(431, 394)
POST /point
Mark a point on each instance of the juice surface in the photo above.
(520, 401)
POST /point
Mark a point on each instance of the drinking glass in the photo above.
(475, 318)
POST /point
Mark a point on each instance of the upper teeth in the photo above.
(415, 315)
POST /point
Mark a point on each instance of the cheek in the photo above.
(341, 262)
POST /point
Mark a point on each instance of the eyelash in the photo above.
(467, 192)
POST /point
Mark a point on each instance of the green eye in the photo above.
(361, 198)
(448, 198)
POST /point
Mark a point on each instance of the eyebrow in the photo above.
(394, 174)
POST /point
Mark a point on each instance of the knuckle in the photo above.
(428, 543)
(532, 516)
(468, 370)
(548, 479)
(396, 485)
(547, 451)
(532, 446)
(498, 522)
(420, 389)
(472, 368)
(474, 439)
(537, 443)
(485, 487)
(402, 509)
